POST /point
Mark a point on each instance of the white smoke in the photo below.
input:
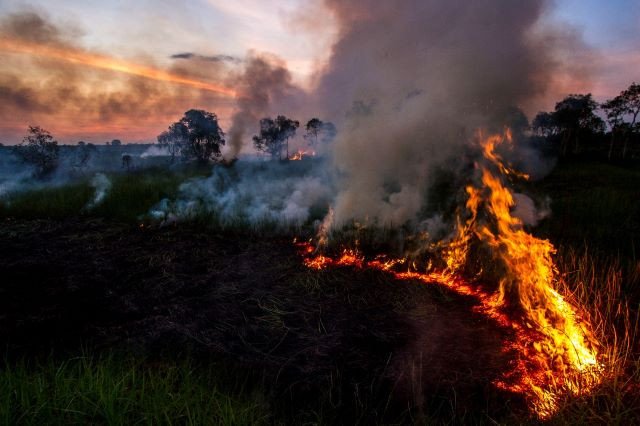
(101, 185)
(251, 192)
(156, 151)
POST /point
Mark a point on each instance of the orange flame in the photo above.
(298, 155)
(558, 352)
(104, 62)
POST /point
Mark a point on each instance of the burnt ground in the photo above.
(359, 342)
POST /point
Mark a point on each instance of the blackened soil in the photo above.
(342, 337)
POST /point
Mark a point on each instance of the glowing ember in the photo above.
(557, 351)
(297, 156)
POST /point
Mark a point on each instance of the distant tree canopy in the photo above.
(196, 136)
(39, 149)
(274, 135)
(83, 154)
(116, 142)
(318, 131)
(574, 119)
(622, 115)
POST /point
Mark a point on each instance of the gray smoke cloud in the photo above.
(264, 88)
(253, 193)
(408, 84)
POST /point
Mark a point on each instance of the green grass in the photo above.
(593, 204)
(130, 196)
(107, 390)
(595, 222)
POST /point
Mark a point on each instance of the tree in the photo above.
(544, 124)
(575, 117)
(319, 131)
(126, 161)
(622, 115)
(274, 135)
(83, 155)
(174, 139)
(40, 149)
(197, 136)
(287, 129)
(116, 142)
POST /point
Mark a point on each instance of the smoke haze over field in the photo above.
(409, 83)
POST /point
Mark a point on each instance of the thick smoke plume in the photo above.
(409, 82)
(263, 89)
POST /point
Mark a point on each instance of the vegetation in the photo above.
(274, 136)
(197, 136)
(312, 346)
(109, 390)
(575, 130)
(40, 150)
(318, 131)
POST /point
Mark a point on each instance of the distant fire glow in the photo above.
(558, 353)
(300, 154)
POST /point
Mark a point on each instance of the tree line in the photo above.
(198, 136)
(574, 127)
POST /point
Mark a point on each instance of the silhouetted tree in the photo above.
(622, 115)
(575, 117)
(197, 136)
(126, 161)
(544, 124)
(174, 139)
(40, 149)
(116, 142)
(319, 131)
(84, 151)
(274, 135)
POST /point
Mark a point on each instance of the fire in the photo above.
(104, 62)
(297, 156)
(557, 351)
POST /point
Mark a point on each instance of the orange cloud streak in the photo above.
(104, 62)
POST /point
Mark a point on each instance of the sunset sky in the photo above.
(98, 70)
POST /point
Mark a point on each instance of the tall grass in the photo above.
(607, 288)
(107, 390)
(130, 196)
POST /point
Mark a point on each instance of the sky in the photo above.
(96, 70)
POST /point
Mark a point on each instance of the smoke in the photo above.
(264, 88)
(101, 185)
(156, 151)
(102, 102)
(253, 193)
(410, 82)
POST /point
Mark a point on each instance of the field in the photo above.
(108, 317)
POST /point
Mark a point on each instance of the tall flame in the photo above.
(557, 351)
(565, 348)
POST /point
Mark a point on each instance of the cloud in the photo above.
(209, 58)
(47, 79)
